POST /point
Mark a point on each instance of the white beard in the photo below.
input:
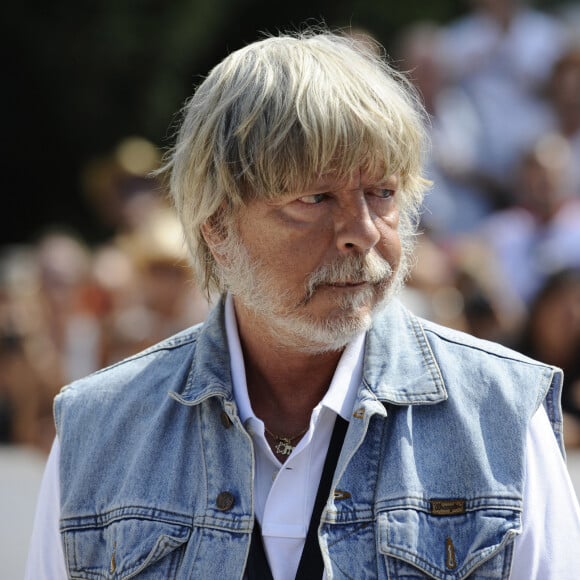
(289, 322)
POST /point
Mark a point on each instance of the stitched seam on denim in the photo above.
(210, 391)
(553, 406)
(150, 351)
(152, 557)
(482, 502)
(199, 437)
(358, 527)
(178, 561)
(200, 521)
(412, 557)
(343, 572)
(489, 553)
(244, 524)
(125, 513)
(501, 355)
(427, 353)
(349, 517)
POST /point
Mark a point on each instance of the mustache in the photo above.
(354, 269)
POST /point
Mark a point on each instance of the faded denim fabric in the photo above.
(156, 468)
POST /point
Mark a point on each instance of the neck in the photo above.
(284, 383)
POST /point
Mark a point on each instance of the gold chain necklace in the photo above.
(283, 444)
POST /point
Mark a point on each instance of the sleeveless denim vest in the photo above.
(156, 468)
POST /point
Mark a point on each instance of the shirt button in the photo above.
(226, 421)
(224, 501)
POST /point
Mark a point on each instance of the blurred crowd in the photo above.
(67, 309)
(499, 253)
(500, 256)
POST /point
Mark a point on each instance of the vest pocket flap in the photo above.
(448, 546)
(123, 548)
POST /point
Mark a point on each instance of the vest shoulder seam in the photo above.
(467, 341)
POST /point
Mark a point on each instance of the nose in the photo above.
(355, 228)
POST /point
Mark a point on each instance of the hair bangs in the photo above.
(340, 111)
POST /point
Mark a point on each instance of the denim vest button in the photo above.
(225, 501)
(226, 421)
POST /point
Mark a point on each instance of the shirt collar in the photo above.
(399, 365)
(341, 393)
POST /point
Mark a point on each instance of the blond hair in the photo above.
(274, 116)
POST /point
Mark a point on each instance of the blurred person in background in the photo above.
(51, 335)
(158, 297)
(458, 199)
(564, 96)
(460, 285)
(20, 383)
(502, 54)
(553, 334)
(120, 186)
(540, 234)
(68, 310)
(68, 323)
(312, 427)
(145, 289)
(490, 312)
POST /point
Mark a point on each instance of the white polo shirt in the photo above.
(284, 493)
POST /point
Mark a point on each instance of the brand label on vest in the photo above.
(447, 507)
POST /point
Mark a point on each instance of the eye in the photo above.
(313, 199)
(384, 193)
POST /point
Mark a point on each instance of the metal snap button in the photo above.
(224, 501)
(341, 494)
(226, 421)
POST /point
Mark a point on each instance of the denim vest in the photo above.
(156, 468)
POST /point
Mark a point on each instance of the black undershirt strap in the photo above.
(257, 567)
(311, 565)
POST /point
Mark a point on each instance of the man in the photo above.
(312, 426)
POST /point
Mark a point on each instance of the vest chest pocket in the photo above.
(477, 544)
(125, 548)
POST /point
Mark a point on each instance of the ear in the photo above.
(213, 233)
(208, 231)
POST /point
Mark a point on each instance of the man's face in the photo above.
(313, 266)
